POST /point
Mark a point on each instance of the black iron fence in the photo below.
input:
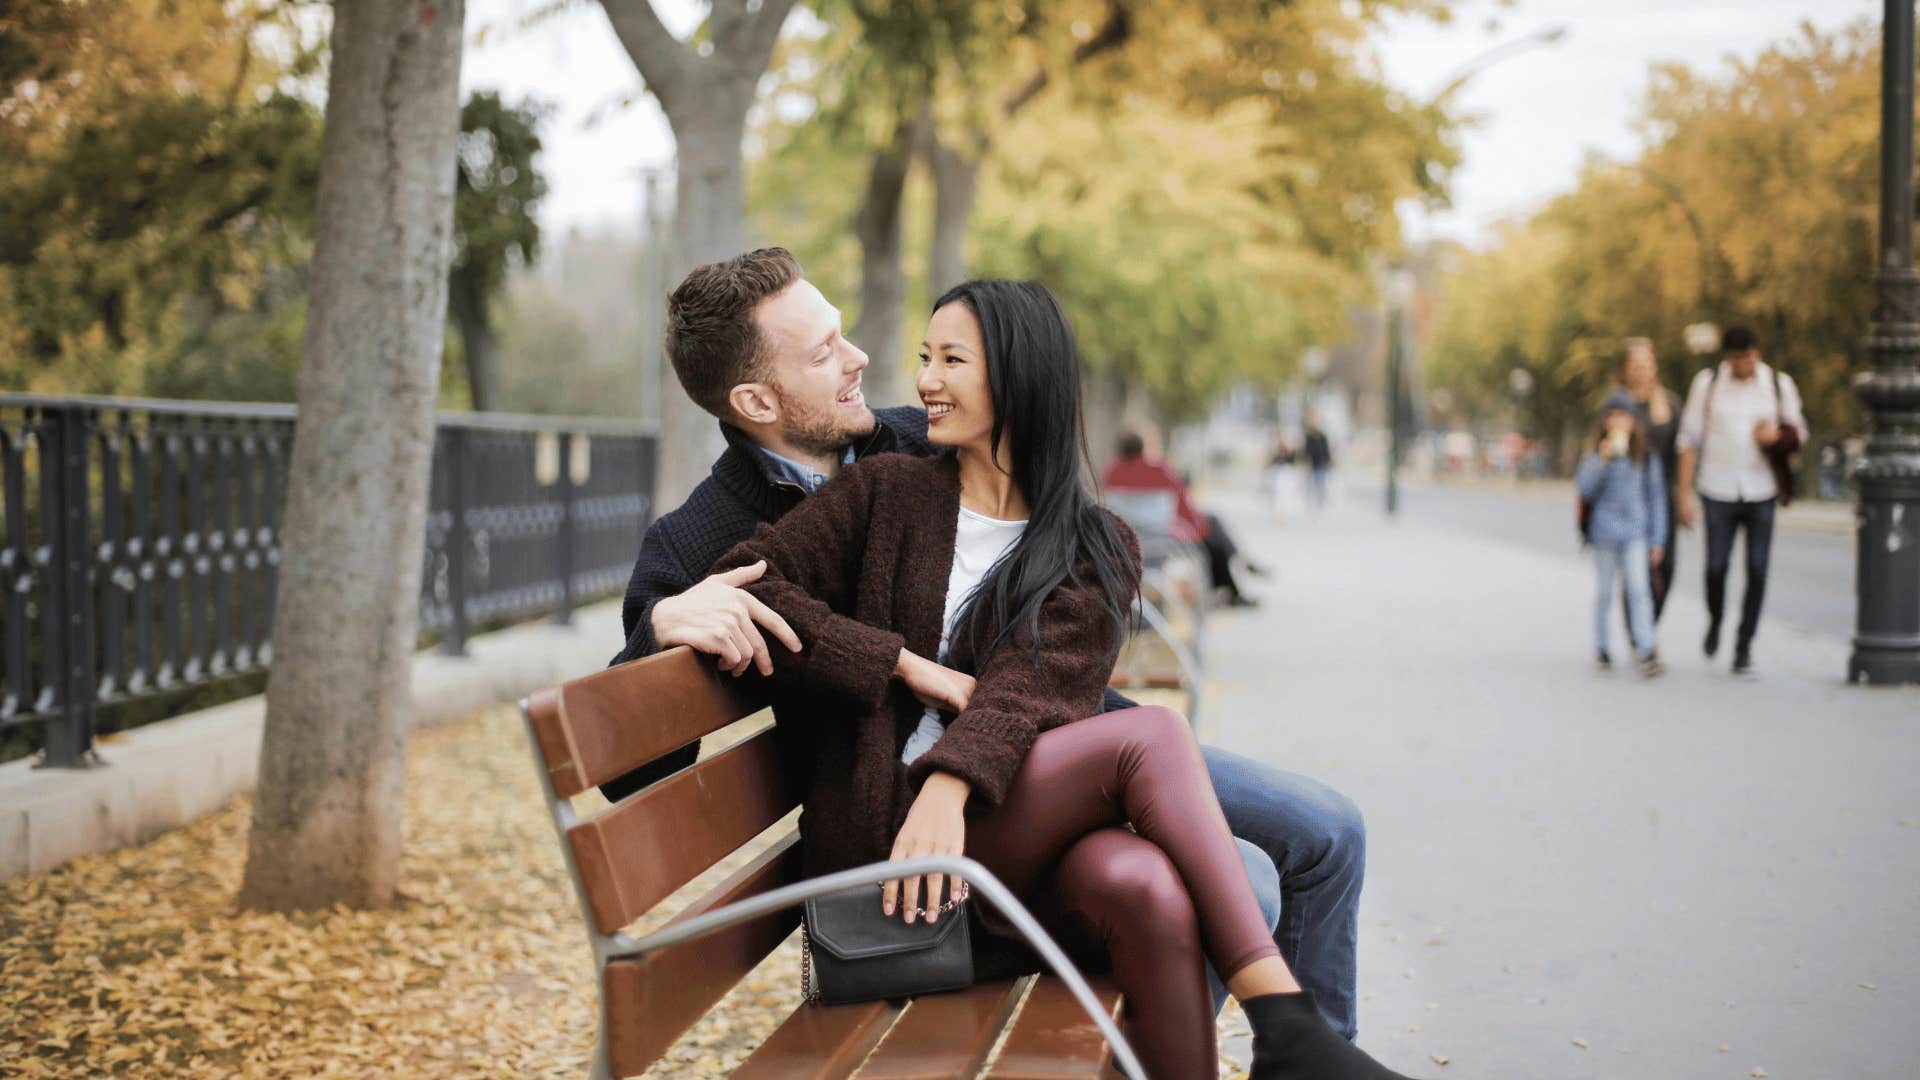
(141, 541)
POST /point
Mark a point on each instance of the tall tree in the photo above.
(496, 192)
(705, 87)
(326, 820)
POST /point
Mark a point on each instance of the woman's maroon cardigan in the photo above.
(859, 570)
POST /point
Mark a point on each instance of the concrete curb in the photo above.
(164, 775)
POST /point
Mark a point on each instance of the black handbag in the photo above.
(851, 951)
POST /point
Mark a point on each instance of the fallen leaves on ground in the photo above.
(139, 963)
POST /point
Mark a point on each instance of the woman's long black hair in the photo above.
(1033, 377)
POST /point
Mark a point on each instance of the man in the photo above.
(1132, 470)
(1738, 416)
(1319, 455)
(756, 344)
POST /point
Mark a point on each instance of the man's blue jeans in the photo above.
(1317, 843)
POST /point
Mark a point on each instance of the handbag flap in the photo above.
(849, 925)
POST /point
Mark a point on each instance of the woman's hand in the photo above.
(1657, 555)
(936, 825)
(937, 686)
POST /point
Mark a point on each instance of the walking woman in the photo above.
(1658, 411)
(1623, 483)
(961, 614)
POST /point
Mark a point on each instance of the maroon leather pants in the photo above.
(1156, 896)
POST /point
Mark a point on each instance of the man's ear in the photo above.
(755, 402)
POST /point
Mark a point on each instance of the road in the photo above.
(1810, 585)
(1576, 875)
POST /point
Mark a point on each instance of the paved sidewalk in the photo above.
(1574, 874)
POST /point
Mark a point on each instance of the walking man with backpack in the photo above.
(1739, 432)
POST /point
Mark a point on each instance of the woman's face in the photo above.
(953, 380)
(1640, 370)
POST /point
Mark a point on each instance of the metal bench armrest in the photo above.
(976, 875)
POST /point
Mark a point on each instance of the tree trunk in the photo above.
(708, 225)
(478, 345)
(705, 96)
(326, 818)
(883, 284)
(956, 179)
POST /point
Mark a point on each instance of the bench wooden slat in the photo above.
(820, 1042)
(945, 1035)
(652, 1000)
(636, 854)
(599, 727)
(1053, 1039)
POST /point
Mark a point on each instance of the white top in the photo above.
(978, 542)
(1732, 467)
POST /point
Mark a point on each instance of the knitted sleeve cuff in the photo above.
(986, 749)
(855, 660)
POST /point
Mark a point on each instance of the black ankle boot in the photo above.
(1292, 1042)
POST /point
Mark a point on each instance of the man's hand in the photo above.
(1766, 432)
(1685, 510)
(935, 825)
(937, 686)
(718, 617)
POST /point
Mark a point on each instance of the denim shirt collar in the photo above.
(787, 470)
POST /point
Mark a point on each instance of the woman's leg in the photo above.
(1139, 766)
(1122, 891)
(1605, 559)
(1633, 565)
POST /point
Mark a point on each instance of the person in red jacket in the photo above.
(1133, 470)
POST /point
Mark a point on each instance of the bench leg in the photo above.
(602, 1064)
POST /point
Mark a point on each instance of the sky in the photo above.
(1540, 110)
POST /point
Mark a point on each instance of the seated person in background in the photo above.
(1133, 470)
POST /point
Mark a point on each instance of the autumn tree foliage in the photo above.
(1753, 201)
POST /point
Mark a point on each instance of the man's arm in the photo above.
(1692, 431)
(668, 604)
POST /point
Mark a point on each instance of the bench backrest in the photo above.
(644, 848)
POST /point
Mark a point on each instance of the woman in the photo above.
(1658, 411)
(994, 559)
(1622, 480)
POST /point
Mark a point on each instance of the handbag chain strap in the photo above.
(809, 993)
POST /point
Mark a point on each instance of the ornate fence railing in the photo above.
(139, 542)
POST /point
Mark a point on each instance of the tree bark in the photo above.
(956, 184)
(706, 100)
(883, 284)
(326, 819)
(478, 345)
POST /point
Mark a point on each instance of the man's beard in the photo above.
(818, 432)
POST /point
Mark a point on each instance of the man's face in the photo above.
(814, 370)
(1744, 364)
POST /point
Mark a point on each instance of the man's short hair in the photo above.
(1738, 339)
(712, 338)
(1131, 445)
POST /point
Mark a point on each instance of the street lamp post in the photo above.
(1400, 287)
(1886, 641)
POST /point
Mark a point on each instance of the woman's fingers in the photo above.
(912, 898)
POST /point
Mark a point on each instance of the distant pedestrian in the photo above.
(1658, 411)
(1622, 481)
(1318, 453)
(1740, 429)
(1279, 476)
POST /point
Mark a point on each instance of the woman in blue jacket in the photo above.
(1624, 487)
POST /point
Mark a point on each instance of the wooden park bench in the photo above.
(637, 853)
(1164, 652)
